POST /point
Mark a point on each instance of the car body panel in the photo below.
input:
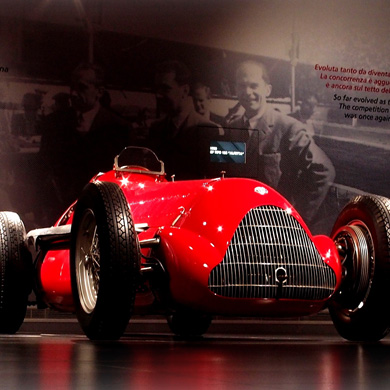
(195, 222)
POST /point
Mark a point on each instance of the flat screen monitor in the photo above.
(227, 152)
(231, 150)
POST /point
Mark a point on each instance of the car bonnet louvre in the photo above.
(269, 242)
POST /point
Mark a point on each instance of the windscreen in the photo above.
(139, 157)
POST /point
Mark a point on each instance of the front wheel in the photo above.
(105, 261)
(15, 273)
(359, 309)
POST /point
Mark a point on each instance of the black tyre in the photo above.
(15, 273)
(105, 261)
(189, 324)
(362, 232)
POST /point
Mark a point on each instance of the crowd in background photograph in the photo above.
(51, 156)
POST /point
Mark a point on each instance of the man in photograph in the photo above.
(81, 137)
(288, 158)
(176, 136)
(201, 95)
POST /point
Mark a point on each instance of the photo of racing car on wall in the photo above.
(136, 242)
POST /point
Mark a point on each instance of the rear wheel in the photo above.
(189, 324)
(362, 233)
(15, 273)
(105, 261)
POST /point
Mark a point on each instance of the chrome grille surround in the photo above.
(269, 239)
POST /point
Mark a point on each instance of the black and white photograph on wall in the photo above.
(297, 96)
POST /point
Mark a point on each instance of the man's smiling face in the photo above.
(252, 90)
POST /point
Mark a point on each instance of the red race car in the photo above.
(135, 242)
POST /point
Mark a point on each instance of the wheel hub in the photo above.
(88, 262)
(356, 250)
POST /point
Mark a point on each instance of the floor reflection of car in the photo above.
(135, 242)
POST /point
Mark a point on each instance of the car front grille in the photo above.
(268, 242)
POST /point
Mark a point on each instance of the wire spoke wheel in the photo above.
(358, 260)
(362, 235)
(104, 261)
(88, 261)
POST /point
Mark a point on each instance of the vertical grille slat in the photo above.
(267, 238)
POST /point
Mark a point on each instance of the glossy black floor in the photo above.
(235, 354)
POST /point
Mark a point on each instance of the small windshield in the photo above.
(134, 159)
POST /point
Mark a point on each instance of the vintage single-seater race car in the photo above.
(135, 242)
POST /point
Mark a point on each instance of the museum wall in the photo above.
(336, 51)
